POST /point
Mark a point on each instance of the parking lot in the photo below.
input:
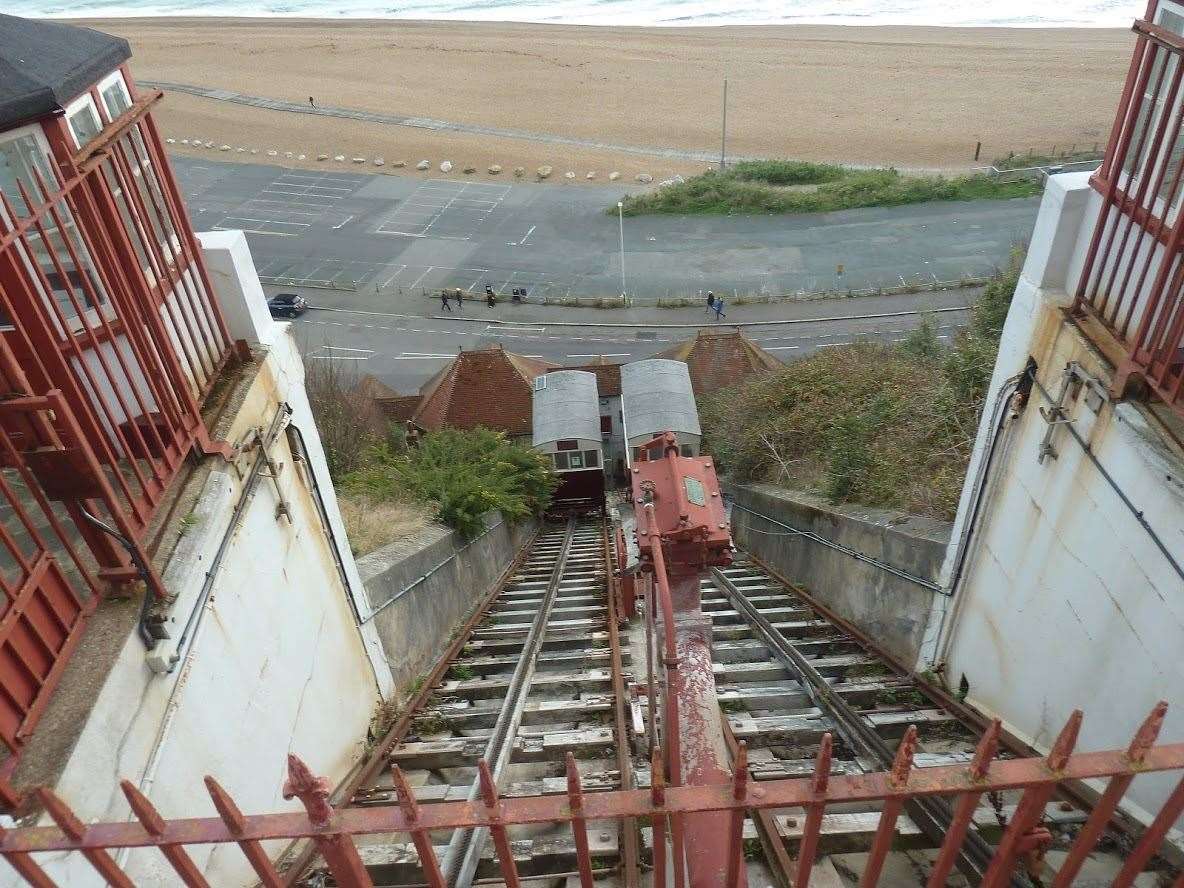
(444, 209)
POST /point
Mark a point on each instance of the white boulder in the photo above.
(446, 166)
(544, 172)
(613, 176)
(644, 178)
(423, 165)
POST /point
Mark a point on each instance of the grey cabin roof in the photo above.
(44, 65)
(656, 396)
(565, 405)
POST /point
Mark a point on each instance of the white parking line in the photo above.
(781, 348)
(421, 277)
(529, 232)
(408, 356)
(606, 355)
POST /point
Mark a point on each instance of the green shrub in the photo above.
(868, 423)
(463, 473)
(756, 187)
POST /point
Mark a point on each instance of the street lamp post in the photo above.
(621, 223)
(723, 139)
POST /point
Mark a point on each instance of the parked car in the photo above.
(287, 305)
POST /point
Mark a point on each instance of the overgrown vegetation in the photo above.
(389, 490)
(780, 186)
(462, 474)
(880, 425)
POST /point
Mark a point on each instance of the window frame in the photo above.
(115, 77)
(84, 102)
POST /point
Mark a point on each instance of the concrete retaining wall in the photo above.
(891, 609)
(421, 589)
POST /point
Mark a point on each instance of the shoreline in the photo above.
(870, 95)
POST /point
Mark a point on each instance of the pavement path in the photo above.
(386, 243)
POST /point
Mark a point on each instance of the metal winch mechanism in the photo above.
(682, 533)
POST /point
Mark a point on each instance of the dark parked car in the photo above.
(287, 305)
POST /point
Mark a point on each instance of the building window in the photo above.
(20, 154)
(560, 460)
(113, 92)
(606, 426)
(83, 119)
(575, 460)
(592, 459)
(685, 450)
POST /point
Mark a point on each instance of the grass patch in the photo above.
(867, 423)
(771, 187)
(461, 672)
(372, 524)
(1015, 161)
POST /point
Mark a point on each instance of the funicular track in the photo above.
(535, 686)
(787, 676)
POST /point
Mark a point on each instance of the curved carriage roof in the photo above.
(656, 396)
(565, 405)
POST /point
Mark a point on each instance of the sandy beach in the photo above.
(903, 96)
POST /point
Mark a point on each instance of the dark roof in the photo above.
(608, 377)
(44, 65)
(717, 359)
(491, 388)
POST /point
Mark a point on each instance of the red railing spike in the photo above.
(1062, 748)
(312, 791)
(740, 771)
(575, 791)
(61, 814)
(902, 764)
(488, 788)
(822, 764)
(1148, 733)
(230, 813)
(144, 810)
(657, 776)
(984, 753)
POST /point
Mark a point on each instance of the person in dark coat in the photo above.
(710, 302)
(490, 298)
(444, 299)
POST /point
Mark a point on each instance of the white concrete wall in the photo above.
(1066, 601)
(278, 665)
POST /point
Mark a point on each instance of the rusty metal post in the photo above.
(420, 836)
(1152, 838)
(964, 810)
(736, 830)
(155, 825)
(1088, 837)
(658, 821)
(338, 849)
(497, 828)
(890, 811)
(814, 811)
(236, 825)
(69, 823)
(579, 825)
(1031, 807)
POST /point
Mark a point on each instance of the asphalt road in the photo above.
(379, 242)
(404, 351)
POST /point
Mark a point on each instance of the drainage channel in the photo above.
(785, 677)
(533, 683)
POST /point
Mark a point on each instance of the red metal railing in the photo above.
(332, 830)
(109, 339)
(1133, 278)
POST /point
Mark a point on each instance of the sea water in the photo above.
(1009, 13)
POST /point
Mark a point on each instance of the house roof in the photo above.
(374, 388)
(44, 65)
(491, 388)
(608, 377)
(400, 409)
(717, 359)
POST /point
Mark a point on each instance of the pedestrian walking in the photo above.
(460, 298)
(444, 300)
(490, 298)
(719, 308)
(516, 296)
(311, 103)
(710, 302)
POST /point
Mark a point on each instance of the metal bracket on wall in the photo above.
(1074, 380)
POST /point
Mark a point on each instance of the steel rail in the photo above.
(375, 763)
(1076, 793)
(460, 861)
(630, 851)
(931, 815)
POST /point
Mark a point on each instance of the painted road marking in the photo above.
(341, 224)
(410, 356)
(612, 355)
(528, 234)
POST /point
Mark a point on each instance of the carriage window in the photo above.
(592, 459)
(566, 445)
(560, 460)
(686, 450)
(576, 460)
(84, 121)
